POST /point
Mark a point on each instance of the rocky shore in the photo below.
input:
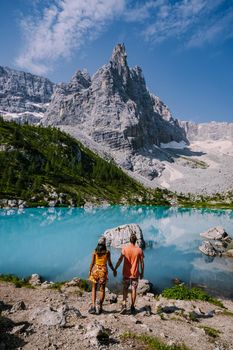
(49, 316)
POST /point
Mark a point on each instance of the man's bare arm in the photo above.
(119, 261)
(142, 267)
(110, 262)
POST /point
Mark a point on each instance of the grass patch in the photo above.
(182, 292)
(151, 343)
(18, 282)
(57, 285)
(84, 285)
(195, 163)
(211, 332)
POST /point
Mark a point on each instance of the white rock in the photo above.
(56, 317)
(144, 286)
(215, 233)
(96, 333)
(52, 203)
(229, 253)
(18, 306)
(207, 248)
(119, 236)
(35, 280)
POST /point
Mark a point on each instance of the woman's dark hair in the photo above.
(101, 249)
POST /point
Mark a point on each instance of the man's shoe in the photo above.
(132, 310)
(123, 309)
(92, 310)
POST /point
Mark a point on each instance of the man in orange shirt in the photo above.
(133, 257)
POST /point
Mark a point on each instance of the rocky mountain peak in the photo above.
(80, 80)
(118, 63)
(119, 56)
(118, 112)
(24, 94)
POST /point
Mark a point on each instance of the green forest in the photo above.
(41, 164)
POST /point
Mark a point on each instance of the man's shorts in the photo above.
(133, 282)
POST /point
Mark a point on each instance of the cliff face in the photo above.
(207, 131)
(23, 93)
(114, 108)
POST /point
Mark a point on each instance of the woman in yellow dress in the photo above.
(98, 273)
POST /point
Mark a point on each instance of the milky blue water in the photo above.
(57, 243)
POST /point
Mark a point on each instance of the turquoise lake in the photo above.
(57, 243)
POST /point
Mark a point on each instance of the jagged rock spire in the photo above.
(81, 79)
(118, 62)
(119, 56)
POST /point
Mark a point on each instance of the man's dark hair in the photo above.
(133, 238)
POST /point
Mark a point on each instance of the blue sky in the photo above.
(184, 47)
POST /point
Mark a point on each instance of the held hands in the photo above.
(114, 272)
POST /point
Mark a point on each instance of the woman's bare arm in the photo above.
(92, 263)
(111, 265)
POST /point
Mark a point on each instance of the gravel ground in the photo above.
(28, 327)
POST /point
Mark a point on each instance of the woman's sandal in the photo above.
(92, 310)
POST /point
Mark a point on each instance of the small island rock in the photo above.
(119, 236)
(229, 253)
(207, 248)
(215, 233)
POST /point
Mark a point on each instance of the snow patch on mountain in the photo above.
(174, 144)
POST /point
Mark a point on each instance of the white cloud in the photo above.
(57, 29)
(138, 12)
(174, 20)
(220, 28)
(195, 22)
(61, 28)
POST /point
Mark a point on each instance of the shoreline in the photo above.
(105, 205)
(116, 287)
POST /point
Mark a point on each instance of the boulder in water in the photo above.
(208, 248)
(218, 242)
(119, 236)
(229, 253)
(216, 233)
